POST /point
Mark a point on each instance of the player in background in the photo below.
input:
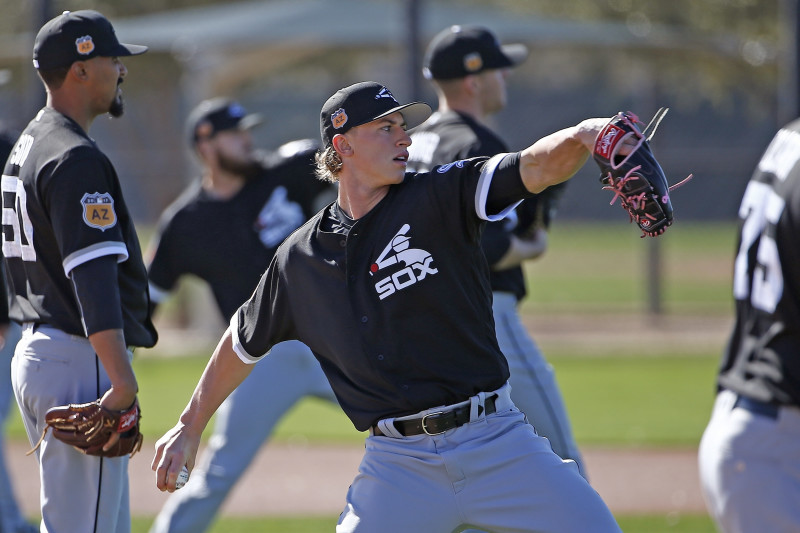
(749, 455)
(224, 229)
(74, 270)
(407, 342)
(468, 66)
(11, 518)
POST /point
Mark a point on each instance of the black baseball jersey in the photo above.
(62, 207)
(762, 360)
(229, 243)
(452, 136)
(395, 305)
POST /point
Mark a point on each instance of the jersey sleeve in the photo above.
(501, 170)
(163, 269)
(80, 199)
(265, 319)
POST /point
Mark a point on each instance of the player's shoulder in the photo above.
(293, 154)
(184, 205)
(302, 238)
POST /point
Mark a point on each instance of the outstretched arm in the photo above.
(558, 156)
(178, 447)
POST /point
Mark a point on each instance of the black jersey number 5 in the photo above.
(17, 227)
(761, 208)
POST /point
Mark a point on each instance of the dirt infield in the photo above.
(313, 480)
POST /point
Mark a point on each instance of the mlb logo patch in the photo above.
(98, 210)
(473, 62)
(85, 45)
(339, 118)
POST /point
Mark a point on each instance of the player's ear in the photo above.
(78, 69)
(341, 144)
(471, 84)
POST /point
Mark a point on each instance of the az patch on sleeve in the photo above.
(98, 210)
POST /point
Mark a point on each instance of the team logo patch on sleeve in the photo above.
(98, 210)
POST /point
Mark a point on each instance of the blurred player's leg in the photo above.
(533, 383)
(750, 468)
(243, 423)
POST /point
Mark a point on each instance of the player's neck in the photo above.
(465, 106)
(70, 107)
(357, 200)
(222, 185)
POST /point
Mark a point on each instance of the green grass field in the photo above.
(629, 524)
(621, 400)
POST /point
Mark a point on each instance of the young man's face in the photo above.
(380, 149)
(233, 151)
(493, 90)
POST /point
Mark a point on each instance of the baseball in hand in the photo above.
(183, 477)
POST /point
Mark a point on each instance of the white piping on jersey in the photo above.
(482, 193)
(157, 294)
(94, 251)
(245, 357)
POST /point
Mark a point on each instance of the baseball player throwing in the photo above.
(407, 343)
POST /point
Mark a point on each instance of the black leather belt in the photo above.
(438, 422)
(770, 410)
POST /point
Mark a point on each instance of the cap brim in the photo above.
(516, 53)
(251, 121)
(130, 49)
(414, 113)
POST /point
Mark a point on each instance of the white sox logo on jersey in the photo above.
(417, 264)
(278, 218)
(98, 210)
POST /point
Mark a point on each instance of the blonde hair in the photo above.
(329, 163)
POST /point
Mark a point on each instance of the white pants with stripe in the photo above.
(79, 493)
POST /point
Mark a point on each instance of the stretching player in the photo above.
(224, 229)
(407, 343)
(468, 68)
(749, 455)
(74, 270)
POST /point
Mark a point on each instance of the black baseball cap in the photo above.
(364, 102)
(77, 36)
(219, 114)
(459, 51)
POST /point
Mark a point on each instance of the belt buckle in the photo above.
(425, 427)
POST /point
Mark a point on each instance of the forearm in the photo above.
(109, 345)
(520, 250)
(223, 373)
(557, 157)
(178, 447)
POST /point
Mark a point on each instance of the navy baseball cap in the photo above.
(219, 114)
(459, 51)
(77, 36)
(364, 102)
